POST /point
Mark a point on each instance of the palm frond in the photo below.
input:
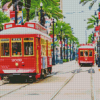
(9, 5)
(90, 26)
(91, 4)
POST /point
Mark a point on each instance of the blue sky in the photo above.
(75, 14)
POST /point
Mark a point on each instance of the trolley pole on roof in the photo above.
(15, 11)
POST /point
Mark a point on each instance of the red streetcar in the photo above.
(25, 50)
(86, 55)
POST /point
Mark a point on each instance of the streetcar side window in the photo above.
(81, 53)
(86, 53)
(28, 46)
(43, 47)
(90, 53)
(16, 47)
(49, 48)
(4, 47)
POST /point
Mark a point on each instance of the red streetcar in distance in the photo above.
(25, 50)
(86, 54)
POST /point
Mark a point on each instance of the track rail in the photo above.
(93, 93)
(67, 81)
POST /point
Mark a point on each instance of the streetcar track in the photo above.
(93, 93)
(67, 81)
(39, 80)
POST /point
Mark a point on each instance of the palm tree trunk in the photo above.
(27, 14)
(27, 5)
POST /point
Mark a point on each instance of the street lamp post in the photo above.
(73, 49)
(41, 4)
(61, 44)
(99, 29)
(64, 46)
(67, 48)
(53, 59)
(15, 11)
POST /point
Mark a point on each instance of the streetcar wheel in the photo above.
(50, 70)
(31, 80)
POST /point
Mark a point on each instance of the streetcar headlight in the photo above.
(16, 64)
(30, 76)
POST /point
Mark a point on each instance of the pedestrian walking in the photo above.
(99, 61)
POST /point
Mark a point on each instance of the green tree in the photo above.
(3, 19)
(66, 31)
(90, 38)
(91, 22)
(4, 2)
(50, 7)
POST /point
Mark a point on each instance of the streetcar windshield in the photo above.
(90, 52)
(16, 47)
(28, 46)
(4, 47)
(85, 53)
(81, 53)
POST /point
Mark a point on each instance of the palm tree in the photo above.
(90, 38)
(83, 2)
(50, 7)
(91, 22)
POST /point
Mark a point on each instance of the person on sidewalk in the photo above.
(99, 61)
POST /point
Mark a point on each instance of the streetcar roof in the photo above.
(86, 47)
(22, 30)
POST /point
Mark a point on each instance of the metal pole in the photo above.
(64, 48)
(53, 60)
(41, 15)
(73, 49)
(70, 50)
(67, 48)
(86, 36)
(99, 40)
(61, 44)
(15, 11)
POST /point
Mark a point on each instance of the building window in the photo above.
(4, 47)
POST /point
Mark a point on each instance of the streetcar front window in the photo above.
(28, 46)
(16, 47)
(81, 53)
(4, 47)
(90, 52)
(85, 53)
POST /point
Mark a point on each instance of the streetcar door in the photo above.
(37, 54)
